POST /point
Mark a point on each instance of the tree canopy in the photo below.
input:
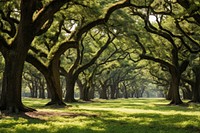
(109, 49)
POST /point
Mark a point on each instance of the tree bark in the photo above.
(53, 83)
(70, 83)
(113, 89)
(15, 56)
(196, 86)
(170, 92)
(52, 77)
(91, 92)
(16, 52)
(125, 90)
(175, 87)
(80, 86)
(41, 89)
(187, 92)
(103, 92)
(86, 93)
(12, 79)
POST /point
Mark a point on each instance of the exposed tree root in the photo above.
(176, 103)
(16, 109)
(58, 103)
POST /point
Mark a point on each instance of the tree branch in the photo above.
(187, 36)
(38, 52)
(46, 13)
(156, 60)
(4, 46)
(60, 48)
(92, 61)
(187, 5)
(11, 21)
(103, 20)
(36, 63)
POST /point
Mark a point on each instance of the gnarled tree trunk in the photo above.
(12, 79)
(15, 55)
(52, 77)
(53, 83)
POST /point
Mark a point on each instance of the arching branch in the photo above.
(103, 20)
(46, 13)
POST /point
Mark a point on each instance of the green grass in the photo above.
(107, 116)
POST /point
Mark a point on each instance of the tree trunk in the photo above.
(91, 92)
(80, 86)
(170, 92)
(35, 88)
(12, 79)
(86, 93)
(137, 93)
(175, 88)
(31, 90)
(117, 95)
(0, 88)
(187, 93)
(41, 93)
(52, 77)
(41, 89)
(56, 99)
(70, 84)
(15, 55)
(125, 91)
(196, 86)
(103, 92)
(53, 83)
(16, 52)
(112, 91)
(48, 92)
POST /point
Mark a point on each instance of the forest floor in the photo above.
(105, 116)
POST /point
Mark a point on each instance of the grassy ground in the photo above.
(106, 116)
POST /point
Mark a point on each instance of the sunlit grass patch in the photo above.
(106, 116)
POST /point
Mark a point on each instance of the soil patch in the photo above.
(45, 115)
(39, 114)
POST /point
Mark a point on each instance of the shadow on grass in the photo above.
(110, 118)
(11, 120)
(115, 123)
(148, 124)
(138, 123)
(149, 104)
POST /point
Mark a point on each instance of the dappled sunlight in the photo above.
(134, 106)
(107, 116)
